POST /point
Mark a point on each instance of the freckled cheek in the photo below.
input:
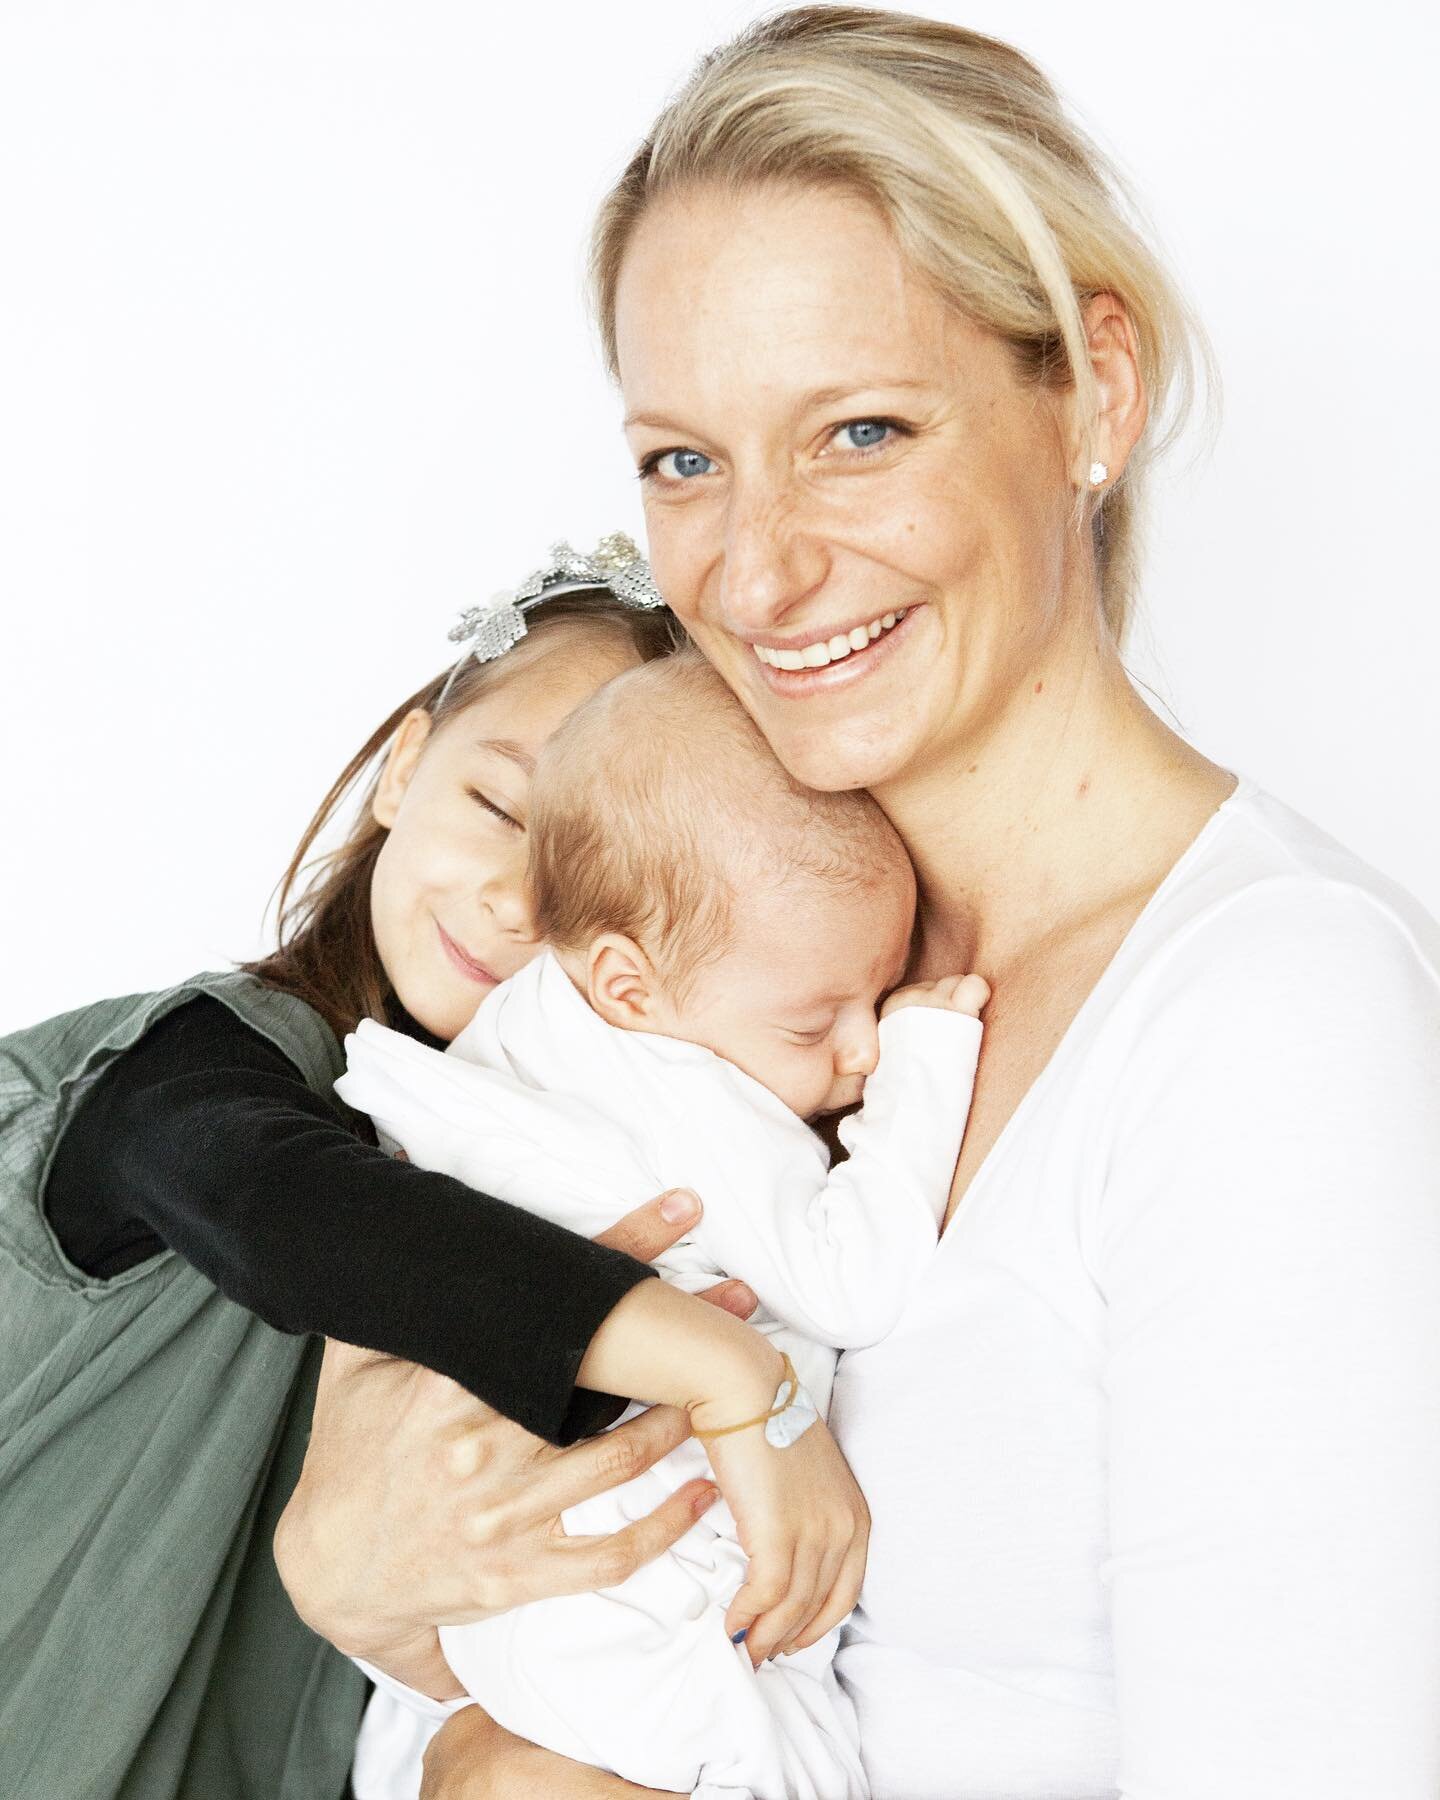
(681, 582)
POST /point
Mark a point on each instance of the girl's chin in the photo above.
(443, 1015)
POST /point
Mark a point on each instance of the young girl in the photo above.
(183, 1198)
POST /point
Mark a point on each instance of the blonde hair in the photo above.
(990, 189)
(657, 805)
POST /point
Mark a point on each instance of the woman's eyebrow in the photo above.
(825, 396)
(830, 396)
(510, 750)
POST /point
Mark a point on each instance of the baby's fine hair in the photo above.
(658, 805)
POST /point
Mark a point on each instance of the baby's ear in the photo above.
(621, 984)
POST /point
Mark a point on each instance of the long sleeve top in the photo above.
(1154, 1454)
(203, 1139)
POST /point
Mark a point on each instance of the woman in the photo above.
(1153, 1460)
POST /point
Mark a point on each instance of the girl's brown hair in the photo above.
(326, 954)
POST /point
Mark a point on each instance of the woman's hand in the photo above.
(473, 1758)
(418, 1505)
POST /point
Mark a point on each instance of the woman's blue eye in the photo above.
(866, 434)
(685, 465)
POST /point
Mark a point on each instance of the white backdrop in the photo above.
(293, 365)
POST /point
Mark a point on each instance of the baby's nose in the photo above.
(859, 1051)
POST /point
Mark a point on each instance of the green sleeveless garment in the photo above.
(151, 1432)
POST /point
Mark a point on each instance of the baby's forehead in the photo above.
(820, 940)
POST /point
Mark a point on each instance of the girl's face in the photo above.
(841, 471)
(447, 901)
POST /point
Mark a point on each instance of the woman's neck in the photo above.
(1077, 800)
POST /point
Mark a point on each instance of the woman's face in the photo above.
(448, 903)
(839, 471)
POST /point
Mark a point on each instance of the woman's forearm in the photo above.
(418, 1662)
(473, 1758)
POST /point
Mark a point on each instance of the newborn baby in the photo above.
(720, 943)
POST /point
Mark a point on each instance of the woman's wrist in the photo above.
(666, 1347)
(410, 1653)
(418, 1662)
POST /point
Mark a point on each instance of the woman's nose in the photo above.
(772, 562)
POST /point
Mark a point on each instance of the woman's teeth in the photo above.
(828, 650)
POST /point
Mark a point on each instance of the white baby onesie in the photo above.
(542, 1103)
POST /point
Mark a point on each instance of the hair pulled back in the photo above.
(991, 190)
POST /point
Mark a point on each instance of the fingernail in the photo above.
(679, 1207)
(744, 1295)
(705, 1498)
(740, 1636)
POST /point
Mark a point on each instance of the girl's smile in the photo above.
(467, 964)
(448, 900)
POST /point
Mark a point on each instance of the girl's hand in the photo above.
(473, 1758)
(802, 1520)
(418, 1505)
(805, 1527)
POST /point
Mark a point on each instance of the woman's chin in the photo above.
(840, 757)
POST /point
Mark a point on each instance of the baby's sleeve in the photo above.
(834, 1254)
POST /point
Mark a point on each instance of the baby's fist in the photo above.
(952, 993)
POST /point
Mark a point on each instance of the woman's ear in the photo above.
(1122, 405)
(621, 984)
(400, 764)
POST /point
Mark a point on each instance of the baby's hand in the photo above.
(952, 993)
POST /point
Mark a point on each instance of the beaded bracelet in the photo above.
(789, 1387)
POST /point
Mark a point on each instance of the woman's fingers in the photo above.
(582, 1564)
(653, 1228)
(732, 1297)
(605, 1462)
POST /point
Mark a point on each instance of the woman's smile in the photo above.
(796, 667)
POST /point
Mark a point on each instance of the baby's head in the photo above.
(690, 887)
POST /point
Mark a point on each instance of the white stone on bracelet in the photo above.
(783, 1428)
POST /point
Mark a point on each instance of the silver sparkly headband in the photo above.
(615, 564)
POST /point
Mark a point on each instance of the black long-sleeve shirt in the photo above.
(203, 1138)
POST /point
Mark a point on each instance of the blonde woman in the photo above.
(1154, 1460)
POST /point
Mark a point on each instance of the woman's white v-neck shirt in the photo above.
(1154, 1454)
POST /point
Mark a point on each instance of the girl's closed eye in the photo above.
(816, 1036)
(495, 811)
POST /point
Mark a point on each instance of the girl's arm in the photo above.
(204, 1139)
(419, 1506)
(832, 1253)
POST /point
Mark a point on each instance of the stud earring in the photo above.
(1099, 474)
